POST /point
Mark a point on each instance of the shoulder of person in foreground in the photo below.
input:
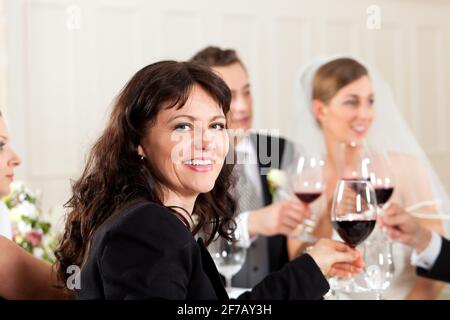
(25, 277)
(150, 220)
(145, 252)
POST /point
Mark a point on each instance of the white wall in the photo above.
(3, 70)
(61, 78)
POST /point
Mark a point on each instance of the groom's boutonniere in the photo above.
(276, 178)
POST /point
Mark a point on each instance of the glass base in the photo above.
(348, 285)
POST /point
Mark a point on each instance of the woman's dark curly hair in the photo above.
(115, 175)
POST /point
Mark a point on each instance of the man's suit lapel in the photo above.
(277, 246)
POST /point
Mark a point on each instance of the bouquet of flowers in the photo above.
(30, 230)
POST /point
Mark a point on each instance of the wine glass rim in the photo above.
(362, 180)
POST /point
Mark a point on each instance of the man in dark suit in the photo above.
(267, 223)
(431, 253)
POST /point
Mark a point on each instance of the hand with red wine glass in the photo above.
(353, 216)
(307, 182)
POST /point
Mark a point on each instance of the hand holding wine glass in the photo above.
(281, 217)
(336, 258)
(401, 226)
(307, 183)
(353, 216)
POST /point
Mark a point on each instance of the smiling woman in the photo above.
(161, 157)
(134, 159)
(191, 143)
(159, 161)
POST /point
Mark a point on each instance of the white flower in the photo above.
(47, 241)
(29, 192)
(22, 197)
(38, 252)
(28, 209)
(276, 177)
(17, 185)
(15, 214)
(23, 227)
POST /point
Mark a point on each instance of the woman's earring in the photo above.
(142, 158)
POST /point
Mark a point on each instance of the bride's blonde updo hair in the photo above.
(334, 75)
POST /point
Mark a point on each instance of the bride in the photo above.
(341, 102)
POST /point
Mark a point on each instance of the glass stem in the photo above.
(384, 230)
(378, 295)
(228, 283)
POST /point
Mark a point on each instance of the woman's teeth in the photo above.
(198, 162)
(359, 128)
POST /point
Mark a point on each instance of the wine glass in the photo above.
(307, 183)
(359, 161)
(380, 174)
(381, 177)
(379, 266)
(229, 255)
(353, 216)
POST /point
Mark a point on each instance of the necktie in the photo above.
(256, 265)
(246, 191)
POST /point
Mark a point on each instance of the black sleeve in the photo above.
(300, 279)
(441, 268)
(142, 259)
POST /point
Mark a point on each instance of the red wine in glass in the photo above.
(308, 197)
(354, 232)
(383, 194)
(307, 180)
(353, 216)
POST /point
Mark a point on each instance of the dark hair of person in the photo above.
(217, 57)
(115, 176)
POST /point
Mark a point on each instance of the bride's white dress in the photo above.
(5, 223)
